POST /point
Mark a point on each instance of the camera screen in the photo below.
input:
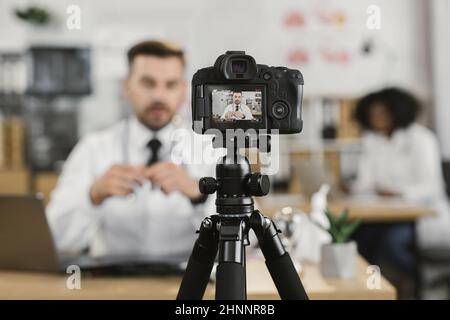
(230, 106)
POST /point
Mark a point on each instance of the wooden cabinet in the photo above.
(22, 182)
(15, 181)
(44, 183)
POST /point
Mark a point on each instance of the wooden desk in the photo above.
(369, 210)
(22, 285)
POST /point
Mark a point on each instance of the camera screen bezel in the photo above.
(240, 124)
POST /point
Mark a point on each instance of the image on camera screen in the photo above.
(236, 105)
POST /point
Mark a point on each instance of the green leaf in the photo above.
(330, 217)
(343, 217)
(348, 229)
(341, 228)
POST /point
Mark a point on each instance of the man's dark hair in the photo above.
(155, 48)
(402, 106)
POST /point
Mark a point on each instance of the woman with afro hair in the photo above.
(400, 158)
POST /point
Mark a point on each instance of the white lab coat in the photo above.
(242, 108)
(408, 163)
(147, 223)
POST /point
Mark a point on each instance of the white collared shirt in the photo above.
(408, 163)
(148, 222)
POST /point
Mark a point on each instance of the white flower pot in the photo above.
(338, 260)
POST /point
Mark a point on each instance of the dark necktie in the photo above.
(154, 146)
(237, 107)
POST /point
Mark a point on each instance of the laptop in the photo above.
(312, 175)
(26, 243)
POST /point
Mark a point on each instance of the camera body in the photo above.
(237, 93)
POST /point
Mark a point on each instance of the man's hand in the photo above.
(171, 177)
(239, 115)
(117, 181)
(229, 115)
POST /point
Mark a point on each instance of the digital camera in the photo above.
(237, 93)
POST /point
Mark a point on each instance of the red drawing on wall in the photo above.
(298, 56)
(294, 19)
(338, 56)
(337, 17)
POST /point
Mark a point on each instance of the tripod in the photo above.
(227, 232)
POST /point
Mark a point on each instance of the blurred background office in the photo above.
(62, 64)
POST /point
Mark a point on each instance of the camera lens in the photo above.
(238, 66)
(280, 110)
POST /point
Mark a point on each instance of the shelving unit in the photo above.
(329, 135)
(38, 117)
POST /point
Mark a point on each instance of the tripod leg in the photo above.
(230, 276)
(200, 262)
(278, 261)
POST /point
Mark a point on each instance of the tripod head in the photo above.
(235, 184)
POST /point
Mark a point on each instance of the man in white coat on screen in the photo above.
(237, 110)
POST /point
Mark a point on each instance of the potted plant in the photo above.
(33, 15)
(338, 258)
(40, 25)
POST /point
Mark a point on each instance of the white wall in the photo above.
(207, 28)
(440, 41)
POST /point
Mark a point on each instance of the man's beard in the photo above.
(146, 119)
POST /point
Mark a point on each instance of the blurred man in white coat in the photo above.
(119, 192)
